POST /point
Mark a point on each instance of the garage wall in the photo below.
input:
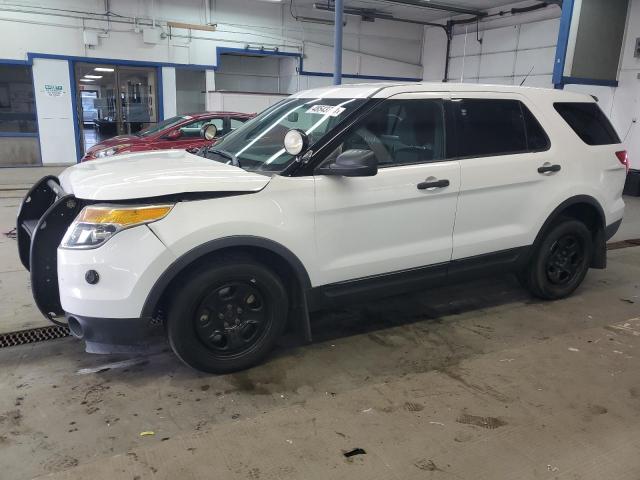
(509, 48)
(380, 48)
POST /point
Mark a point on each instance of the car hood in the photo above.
(156, 173)
(115, 141)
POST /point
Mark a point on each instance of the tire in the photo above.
(561, 261)
(227, 316)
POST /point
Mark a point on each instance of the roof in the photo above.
(384, 90)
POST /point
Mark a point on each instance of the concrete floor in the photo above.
(477, 381)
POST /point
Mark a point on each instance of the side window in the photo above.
(588, 121)
(400, 132)
(537, 139)
(236, 122)
(192, 129)
(488, 127)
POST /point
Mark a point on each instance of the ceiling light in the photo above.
(103, 69)
(92, 76)
(86, 80)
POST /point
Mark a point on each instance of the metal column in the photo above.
(337, 43)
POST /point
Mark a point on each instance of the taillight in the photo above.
(623, 157)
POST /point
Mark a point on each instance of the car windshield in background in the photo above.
(258, 144)
(168, 123)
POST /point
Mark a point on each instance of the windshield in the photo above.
(258, 144)
(168, 123)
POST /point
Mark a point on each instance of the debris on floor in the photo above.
(354, 452)
(147, 434)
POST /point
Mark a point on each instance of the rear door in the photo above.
(508, 169)
(393, 221)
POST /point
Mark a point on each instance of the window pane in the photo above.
(236, 122)
(193, 129)
(536, 137)
(588, 121)
(490, 127)
(400, 132)
(17, 106)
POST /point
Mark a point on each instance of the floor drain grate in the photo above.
(33, 335)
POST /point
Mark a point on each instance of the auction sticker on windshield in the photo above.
(331, 110)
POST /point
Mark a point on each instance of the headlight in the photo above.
(107, 152)
(98, 223)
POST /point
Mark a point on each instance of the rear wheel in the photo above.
(227, 316)
(560, 262)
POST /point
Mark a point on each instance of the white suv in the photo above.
(331, 195)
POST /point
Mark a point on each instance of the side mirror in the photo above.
(174, 134)
(352, 163)
(208, 131)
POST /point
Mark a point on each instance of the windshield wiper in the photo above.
(223, 153)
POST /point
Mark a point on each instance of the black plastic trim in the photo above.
(612, 229)
(395, 283)
(192, 255)
(112, 331)
(35, 203)
(600, 247)
(43, 254)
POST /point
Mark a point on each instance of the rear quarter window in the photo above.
(588, 121)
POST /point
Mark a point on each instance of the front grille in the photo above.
(33, 335)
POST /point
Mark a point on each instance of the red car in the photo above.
(182, 131)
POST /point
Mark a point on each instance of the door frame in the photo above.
(76, 102)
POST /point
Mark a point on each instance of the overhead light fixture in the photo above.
(87, 80)
(103, 69)
(92, 76)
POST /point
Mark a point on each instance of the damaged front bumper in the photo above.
(44, 216)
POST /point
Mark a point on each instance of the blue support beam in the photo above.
(337, 42)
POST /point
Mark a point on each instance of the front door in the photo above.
(396, 220)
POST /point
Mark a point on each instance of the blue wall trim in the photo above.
(18, 134)
(589, 81)
(8, 61)
(113, 61)
(563, 43)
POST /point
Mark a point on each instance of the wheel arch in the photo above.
(274, 255)
(588, 210)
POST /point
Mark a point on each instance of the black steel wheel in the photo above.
(560, 262)
(565, 259)
(232, 317)
(227, 315)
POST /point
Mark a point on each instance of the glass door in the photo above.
(137, 99)
(114, 100)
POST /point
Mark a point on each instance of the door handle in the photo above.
(431, 184)
(548, 168)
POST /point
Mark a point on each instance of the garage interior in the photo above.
(477, 380)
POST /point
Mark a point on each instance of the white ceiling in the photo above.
(407, 11)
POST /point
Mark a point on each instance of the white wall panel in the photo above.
(169, 94)
(497, 64)
(500, 40)
(540, 59)
(55, 117)
(539, 34)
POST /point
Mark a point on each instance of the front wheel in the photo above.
(227, 316)
(560, 262)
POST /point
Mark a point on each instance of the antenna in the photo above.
(527, 76)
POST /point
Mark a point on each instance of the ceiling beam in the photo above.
(439, 6)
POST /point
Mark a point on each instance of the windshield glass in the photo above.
(168, 123)
(258, 144)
